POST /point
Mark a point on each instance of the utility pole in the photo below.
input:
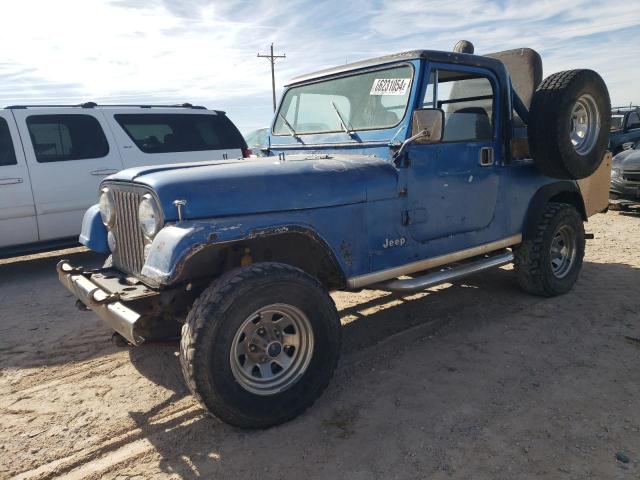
(272, 60)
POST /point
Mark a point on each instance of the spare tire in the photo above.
(569, 124)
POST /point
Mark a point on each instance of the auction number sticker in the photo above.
(390, 86)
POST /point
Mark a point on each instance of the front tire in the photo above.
(260, 345)
(549, 263)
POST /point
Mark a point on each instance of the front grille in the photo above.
(631, 176)
(129, 253)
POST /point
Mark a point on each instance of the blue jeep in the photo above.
(396, 173)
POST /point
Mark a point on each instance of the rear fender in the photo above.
(564, 191)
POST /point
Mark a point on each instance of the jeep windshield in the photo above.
(366, 101)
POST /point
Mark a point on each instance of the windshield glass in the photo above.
(257, 138)
(363, 102)
(616, 121)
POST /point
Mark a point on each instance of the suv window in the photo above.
(180, 132)
(616, 121)
(634, 120)
(57, 138)
(7, 153)
(467, 100)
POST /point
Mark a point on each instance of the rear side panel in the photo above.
(595, 188)
(147, 136)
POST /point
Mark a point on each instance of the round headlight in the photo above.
(107, 210)
(149, 216)
(111, 241)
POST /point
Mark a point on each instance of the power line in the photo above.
(272, 60)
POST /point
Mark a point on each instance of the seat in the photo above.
(169, 140)
(386, 118)
(470, 123)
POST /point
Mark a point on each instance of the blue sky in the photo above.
(204, 51)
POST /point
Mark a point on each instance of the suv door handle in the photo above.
(486, 157)
(104, 172)
(10, 181)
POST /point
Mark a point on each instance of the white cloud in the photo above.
(171, 51)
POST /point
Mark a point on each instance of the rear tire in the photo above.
(569, 124)
(260, 345)
(549, 263)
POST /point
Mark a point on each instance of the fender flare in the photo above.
(175, 245)
(550, 192)
(94, 234)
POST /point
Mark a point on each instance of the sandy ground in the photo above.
(471, 380)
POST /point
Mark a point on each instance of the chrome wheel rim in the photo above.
(563, 251)
(272, 349)
(584, 124)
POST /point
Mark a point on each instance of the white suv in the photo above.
(52, 159)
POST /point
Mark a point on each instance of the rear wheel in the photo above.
(569, 124)
(549, 263)
(260, 345)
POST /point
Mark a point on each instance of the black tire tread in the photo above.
(528, 255)
(212, 299)
(546, 131)
(550, 90)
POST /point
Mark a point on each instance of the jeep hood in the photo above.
(267, 184)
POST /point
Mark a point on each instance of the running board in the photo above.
(443, 276)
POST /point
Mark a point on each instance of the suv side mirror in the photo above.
(431, 122)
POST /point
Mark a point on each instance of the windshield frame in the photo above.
(350, 73)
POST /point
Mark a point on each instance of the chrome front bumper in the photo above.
(109, 293)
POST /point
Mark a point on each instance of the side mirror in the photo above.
(431, 122)
(426, 127)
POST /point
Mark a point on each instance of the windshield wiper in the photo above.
(290, 128)
(346, 129)
(393, 143)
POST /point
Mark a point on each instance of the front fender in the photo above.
(94, 233)
(176, 244)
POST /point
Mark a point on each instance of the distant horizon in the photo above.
(204, 52)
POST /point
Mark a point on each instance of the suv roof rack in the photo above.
(94, 104)
(625, 108)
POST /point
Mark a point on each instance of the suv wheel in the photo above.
(260, 345)
(549, 263)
